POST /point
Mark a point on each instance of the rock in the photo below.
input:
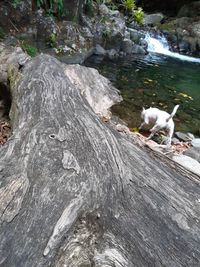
(137, 49)
(111, 31)
(135, 35)
(73, 188)
(17, 13)
(116, 30)
(184, 46)
(188, 163)
(127, 46)
(144, 44)
(175, 141)
(153, 19)
(187, 32)
(134, 25)
(104, 10)
(11, 57)
(112, 54)
(122, 54)
(193, 152)
(45, 25)
(99, 50)
(196, 142)
(127, 35)
(115, 13)
(122, 128)
(184, 136)
(98, 91)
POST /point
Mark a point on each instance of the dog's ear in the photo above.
(143, 109)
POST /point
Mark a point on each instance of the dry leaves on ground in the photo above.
(5, 131)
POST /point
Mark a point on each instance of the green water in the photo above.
(156, 81)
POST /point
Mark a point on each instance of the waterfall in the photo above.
(160, 45)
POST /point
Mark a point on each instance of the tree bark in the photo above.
(75, 192)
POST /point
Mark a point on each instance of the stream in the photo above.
(160, 79)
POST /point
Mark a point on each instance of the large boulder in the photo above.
(11, 58)
(75, 192)
(111, 29)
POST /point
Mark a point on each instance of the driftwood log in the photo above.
(74, 192)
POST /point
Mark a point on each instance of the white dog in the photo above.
(157, 120)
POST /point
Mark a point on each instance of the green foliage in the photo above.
(39, 3)
(2, 33)
(133, 11)
(52, 40)
(129, 5)
(52, 7)
(99, 2)
(111, 5)
(106, 33)
(60, 7)
(139, 15)
(30, 50)
(15, 3)
(89, 7)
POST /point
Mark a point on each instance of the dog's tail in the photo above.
(173, 113)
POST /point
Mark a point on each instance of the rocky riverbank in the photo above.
(104, 31)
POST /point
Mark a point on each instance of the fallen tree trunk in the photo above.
(75, 192)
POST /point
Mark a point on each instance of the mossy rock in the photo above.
(13, 75)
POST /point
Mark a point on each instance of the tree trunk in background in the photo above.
(74, 192)
(73, 9)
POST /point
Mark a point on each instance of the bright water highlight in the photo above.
(161, 46)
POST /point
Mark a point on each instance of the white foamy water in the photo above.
(161, 46)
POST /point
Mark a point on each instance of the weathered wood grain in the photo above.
(75, 192)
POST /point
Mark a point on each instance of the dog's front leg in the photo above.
(154, 130)
(142, 125)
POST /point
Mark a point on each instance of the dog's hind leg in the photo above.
(169, 135)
